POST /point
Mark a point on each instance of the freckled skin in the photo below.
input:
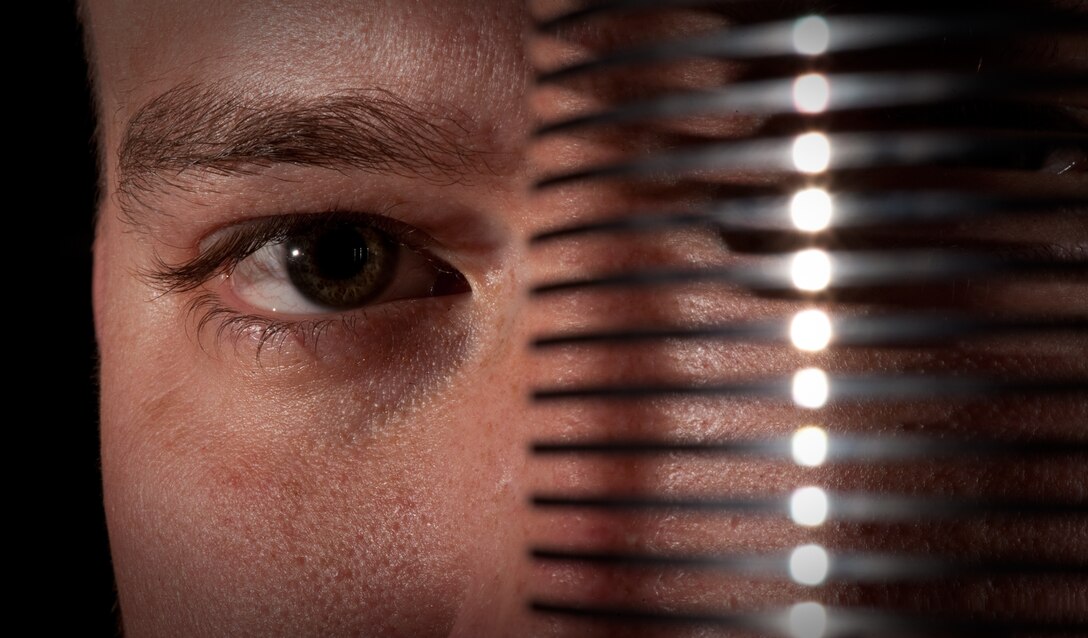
(374, 483)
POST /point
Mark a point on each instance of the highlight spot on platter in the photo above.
(809, 564)
(811, 388)
(811, 330)
(811, 93)
(809, 506)
(812, 152)
(811, 210)
(809, 446)
(811, 35)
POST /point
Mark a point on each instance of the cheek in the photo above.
(292, 533)
(237, 506)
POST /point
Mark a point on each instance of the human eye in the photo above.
(303, 274)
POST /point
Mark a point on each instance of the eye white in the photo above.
(261, 280)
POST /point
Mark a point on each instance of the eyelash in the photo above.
(233, 325)
(244, 240)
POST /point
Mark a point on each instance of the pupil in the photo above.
(343, 265)
(340, 253)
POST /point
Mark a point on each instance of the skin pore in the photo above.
(363, 471)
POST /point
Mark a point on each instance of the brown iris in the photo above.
(341, 265)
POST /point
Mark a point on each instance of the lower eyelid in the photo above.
(364, 335)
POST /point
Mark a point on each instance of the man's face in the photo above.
(272, 466)
(300, 438)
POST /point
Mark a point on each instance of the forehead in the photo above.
(457, 52)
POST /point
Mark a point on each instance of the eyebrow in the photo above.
(226, 130)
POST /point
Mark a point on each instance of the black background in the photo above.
(59, 189)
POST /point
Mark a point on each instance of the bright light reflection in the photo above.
(809, 565)
(811, 270)
(808, 506)
(812, 153)
(811, 330)
(810, 388)
(808, 620)
(811, 35)
(811, 210)
(811, 93)
(809, 446)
